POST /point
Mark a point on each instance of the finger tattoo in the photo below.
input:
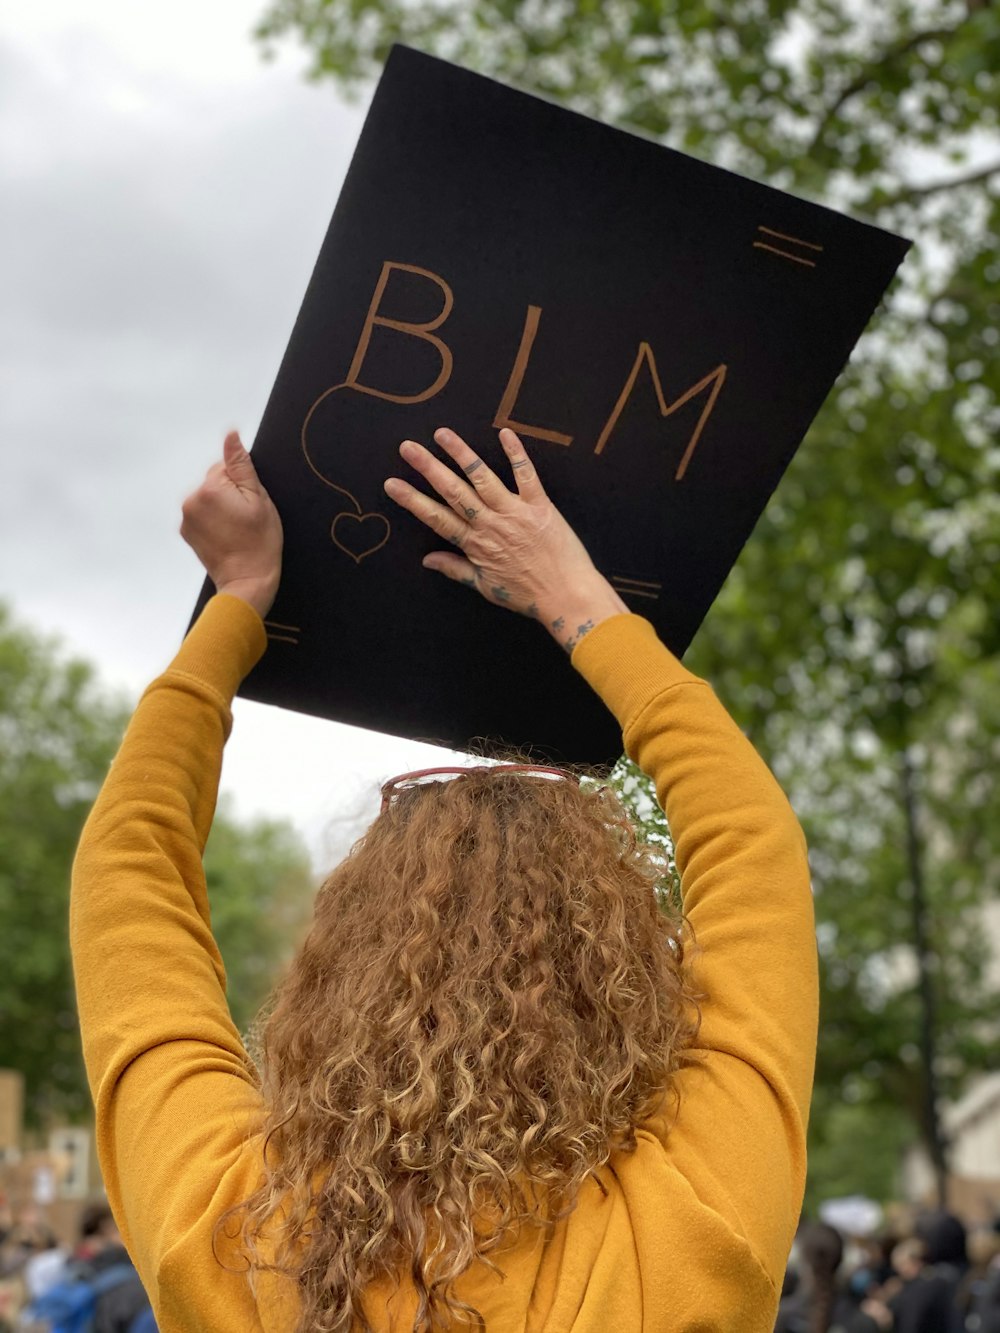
(472, 467)
(470, 514)
(520, 462)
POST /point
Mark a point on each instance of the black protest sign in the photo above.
(659, 331)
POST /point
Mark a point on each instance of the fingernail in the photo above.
(392, 486)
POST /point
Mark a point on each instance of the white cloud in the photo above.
(166, 194)
(188, 41)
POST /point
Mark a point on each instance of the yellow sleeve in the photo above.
(739, 1133)
(174, 1091)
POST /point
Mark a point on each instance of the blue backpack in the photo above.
(143, 1322)
(69, 1305)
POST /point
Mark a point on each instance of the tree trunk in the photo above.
(933, 1132)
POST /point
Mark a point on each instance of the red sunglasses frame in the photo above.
(390, 788)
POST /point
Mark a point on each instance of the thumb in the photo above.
(238, 463)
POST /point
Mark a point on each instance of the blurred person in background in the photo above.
(34, 1248)
(98, 1251)
(946, 1264)
(96, 1289)
(12, 1293)
(99, 1234)
(27, 1235)
(818, 1304)
(925, 1296)
(982, 1283)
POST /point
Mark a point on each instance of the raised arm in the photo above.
(173, 1089)
(739, 1135)
(740, 1132)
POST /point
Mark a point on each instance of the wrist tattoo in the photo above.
(501, 594)
(581, 631)
(557, 624)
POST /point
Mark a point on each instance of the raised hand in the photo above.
(516, 549)
(233, 528)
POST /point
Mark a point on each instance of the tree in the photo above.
(58, 732)
(856, 640)
(260, 886)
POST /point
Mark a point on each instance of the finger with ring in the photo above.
(456, 493)
(488, 486)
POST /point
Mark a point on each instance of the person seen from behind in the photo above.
(98, 1252)
(817, 1304)
(500, 1086)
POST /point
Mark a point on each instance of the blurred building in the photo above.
(50, 1175)
(972, 1128)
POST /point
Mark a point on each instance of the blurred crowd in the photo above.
(46, 1287)
(931, 1276)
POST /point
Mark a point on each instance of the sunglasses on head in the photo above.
(423, 775)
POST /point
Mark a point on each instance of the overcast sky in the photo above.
(165, 195)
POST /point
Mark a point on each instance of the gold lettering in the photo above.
(716, 378)
(424, 331)
(503, 416)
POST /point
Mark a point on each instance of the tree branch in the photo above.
(909, 194)
(869, 73)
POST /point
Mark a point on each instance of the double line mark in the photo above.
(636, 587)
(288, 635)
(792, 240)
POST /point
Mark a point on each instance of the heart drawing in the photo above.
(368, 535)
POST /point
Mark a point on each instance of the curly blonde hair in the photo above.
(490, 999)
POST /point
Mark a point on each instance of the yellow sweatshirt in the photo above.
(694, 1231)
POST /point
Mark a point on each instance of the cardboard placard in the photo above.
(660, 332)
